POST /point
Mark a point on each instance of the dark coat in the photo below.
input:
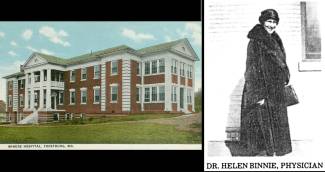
(265, 127)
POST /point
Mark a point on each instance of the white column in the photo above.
(32, 97)
(193, 86)
(41, 97)
(178, 85)
(142, 84)
(26, 92)
(168, 83)
(126, 85)
(48, 89)
(103, 86)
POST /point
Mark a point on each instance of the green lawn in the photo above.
(111, 132)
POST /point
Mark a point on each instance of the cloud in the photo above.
(168, 39)
(2, 34)
(137, 37)
(27, 34)
(12, 53)
(44, 51)
(54, 36)
(13, 43)
(195, 32)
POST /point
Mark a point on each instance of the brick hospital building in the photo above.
(116, 80)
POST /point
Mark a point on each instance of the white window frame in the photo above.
(61, 103)
(138, 68)
(114, 62)
(152, 94)
(98, 70)
(189, 96)
(138, 95)
(149, 95)
(145, 67)
(21, 100)
(82, 73)
(112, 86)
(96, 88)
(83, 90)
(159, 98)
(72, 80)
(10, 101)
(70, 97)
(174, 94)
(152, 67)
(159, 65)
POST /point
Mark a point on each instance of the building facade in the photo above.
(117, 80)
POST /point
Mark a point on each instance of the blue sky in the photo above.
(68, 39)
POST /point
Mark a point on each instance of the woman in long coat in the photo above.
(264, 120)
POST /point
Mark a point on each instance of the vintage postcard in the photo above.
(264, 79)
(100, 85)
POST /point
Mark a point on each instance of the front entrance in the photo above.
(53, 100)
(181, 98)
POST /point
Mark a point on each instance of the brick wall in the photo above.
(174, 79)
(153, 79)
(152, 107)
(114, 107)
(89, 83)
(135, 107)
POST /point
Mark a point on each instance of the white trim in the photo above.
(111, 89)
(83, 65)
(60, 91)
(95, 71)
(82, 90)
(94, 95)
(75, 76)
(70, 92)
(20, 97)
(113, 84)
(81, 79)
(114, 61)
(103, 86)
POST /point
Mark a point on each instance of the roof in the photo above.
(159, 47)
(102, 53)
(17, 74)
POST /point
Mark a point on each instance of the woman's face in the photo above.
(270, 25)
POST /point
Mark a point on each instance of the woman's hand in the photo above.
(261, 102)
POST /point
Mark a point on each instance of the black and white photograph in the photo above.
(264, 78)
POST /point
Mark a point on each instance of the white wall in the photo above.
(226, 27)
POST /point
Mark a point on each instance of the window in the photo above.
(190, 69)
(174, 66)
(153, 94)
(182, 69)
(21, 100)
(114, 93)
(29, 97)
(10, 85)
(72, 96)
(96, 72)
(29, 79)
(72, 76)
(96, 95)
(154, 66)
(45, 75)
(147, 68)
(83, 95)
(22, 84)
(161, 65)
(310, 31)
(174, 94)
(10, 101)
(138, 68)
(161, 93)
(114, 68)
(138, 94)
(189, 96)
(146, 94)
(37, 78)
(83, 73)
(61, 98)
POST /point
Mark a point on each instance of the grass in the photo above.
(109, 132)
(133, 117)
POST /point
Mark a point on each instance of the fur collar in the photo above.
(259, 33)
